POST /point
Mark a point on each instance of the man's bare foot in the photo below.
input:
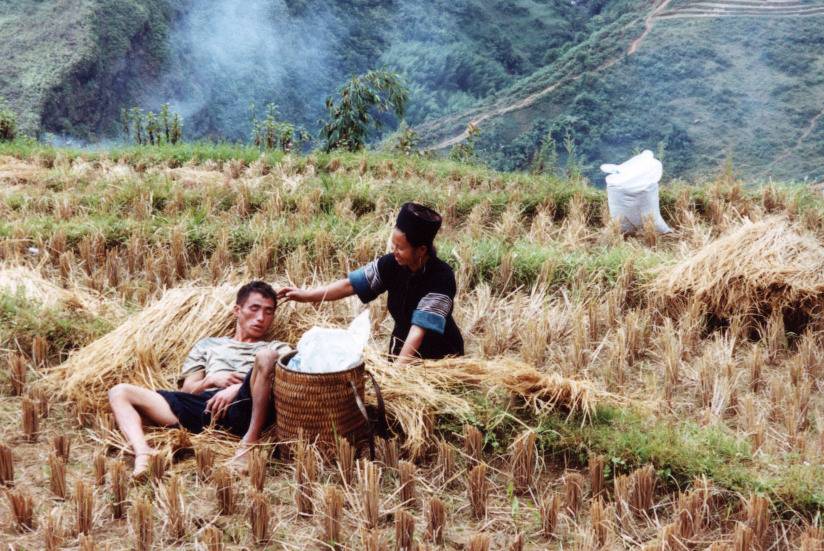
(240, 461)
(141, 464)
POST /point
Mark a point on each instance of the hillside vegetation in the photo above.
(655, 420)
(701, 82)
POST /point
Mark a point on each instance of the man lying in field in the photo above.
(221, 379)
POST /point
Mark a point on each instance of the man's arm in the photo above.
(197, 382)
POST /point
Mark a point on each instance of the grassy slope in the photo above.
(62, 62)
(706, 89)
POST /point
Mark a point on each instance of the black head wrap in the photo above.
(418, 223)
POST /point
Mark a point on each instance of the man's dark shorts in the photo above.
(190, 409)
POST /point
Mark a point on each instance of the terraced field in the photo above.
(594, 410)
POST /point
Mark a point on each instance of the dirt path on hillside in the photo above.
(789, 151)
(648, 24)
(534, 97)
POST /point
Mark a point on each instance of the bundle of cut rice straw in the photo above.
(439, 388)
(753, 270)
(148, 348)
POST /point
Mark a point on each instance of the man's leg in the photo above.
(261, 386)
(130, 403)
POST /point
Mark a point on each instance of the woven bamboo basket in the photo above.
(321, 407)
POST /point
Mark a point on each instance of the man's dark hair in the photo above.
(260, 287)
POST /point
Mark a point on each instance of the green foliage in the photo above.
(361, 101)
(465, 151)
(150, 128)
(406, 141)
(8, 123)
(271, 133)
(22, 319)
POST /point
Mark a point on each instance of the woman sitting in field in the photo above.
(420, 289)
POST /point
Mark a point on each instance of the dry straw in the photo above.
(259, 515)
(597, 481)
(473, 444)
(523, 461)
(404, 531)
(30, 419)
(224, 491)
(22, 509)
(477, 490)
(142, 521)
(445, 459)
(119, 488)
(17, 374)
(332, 513)
(6, 466)
(369, 480)
(478, 542)
(99, 469)
(389, 453)
(57, 476)
(754, 269)
(517, 543)
(205, 460)
(573, 492)
(213, 539)
(86, 542)
(84, 507)
(548, 509)
(62, 444)
(170, 501)
(257, 469)
(406, 483)
(345, 460)
(53, 532)
(306, 474)
(169, 328)
(436, 521)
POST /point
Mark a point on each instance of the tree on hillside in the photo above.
(361, 99)
(8, 123)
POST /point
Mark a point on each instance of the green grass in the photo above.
(65, 329)
(629, 438)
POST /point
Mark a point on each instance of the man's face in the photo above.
(255, 316)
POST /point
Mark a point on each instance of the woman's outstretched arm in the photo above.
(333, 291)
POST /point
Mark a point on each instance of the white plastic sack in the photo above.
(328, 350)
(632, 192)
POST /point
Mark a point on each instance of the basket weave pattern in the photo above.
(321, 404)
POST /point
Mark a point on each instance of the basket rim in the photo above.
(289, 355)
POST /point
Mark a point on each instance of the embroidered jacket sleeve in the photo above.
(374, 278)
(435, 307)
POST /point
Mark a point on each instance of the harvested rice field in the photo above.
(619, 392)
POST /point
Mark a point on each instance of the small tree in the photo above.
(406, 141)
(360, 99)
(150, 128)
(464, 152)
(271, 133)
(8, 123)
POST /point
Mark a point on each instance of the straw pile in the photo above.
(414, 394)
(753, 270)
(148, 348)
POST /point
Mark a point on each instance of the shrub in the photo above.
(361, 98)
(8, 123)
